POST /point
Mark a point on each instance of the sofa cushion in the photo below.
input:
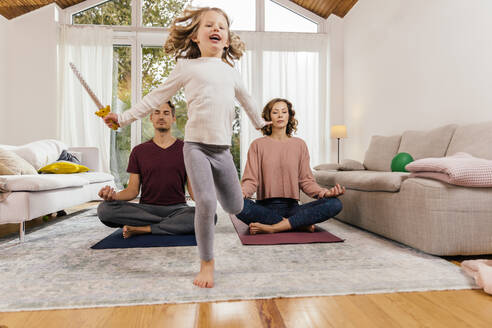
(95, 177)
(351, 165)
(63, 167)
(327, 166)
(380, 153)
(474, 139)
(423, 144)
(40, 182)
(461, 169)
(371, 180)
(13, 164)
(39, 153)
(361, 180)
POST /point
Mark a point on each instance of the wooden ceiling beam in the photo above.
(343, 8)
(67, 3)
(323, 8)
(331, 6)
(14, 8)
(19, 7)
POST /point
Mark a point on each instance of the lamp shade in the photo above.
(339, 131)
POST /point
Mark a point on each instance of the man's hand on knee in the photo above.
(107, 193)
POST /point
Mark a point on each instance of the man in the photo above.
(157, 166)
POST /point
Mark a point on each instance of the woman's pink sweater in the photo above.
(278, 169)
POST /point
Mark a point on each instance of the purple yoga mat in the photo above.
(319, 236)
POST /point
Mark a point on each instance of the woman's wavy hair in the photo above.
(291, 125)
(179, 43)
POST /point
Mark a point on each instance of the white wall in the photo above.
(336, 95)
(31, 77)
(3, 76)
(415, 64)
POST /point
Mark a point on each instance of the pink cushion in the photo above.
(461, 169)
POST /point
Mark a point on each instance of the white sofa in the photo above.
(32, 196)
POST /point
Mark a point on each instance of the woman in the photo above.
(276, 169)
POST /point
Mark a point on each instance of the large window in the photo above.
(115, 12)
(156, 66)
(121, 101)
(241, 13)
(281, 19)
(160, 13)
(140, 28)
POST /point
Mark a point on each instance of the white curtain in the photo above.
(91, 50)
(293, 66)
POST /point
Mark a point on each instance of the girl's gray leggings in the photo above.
(213, 177)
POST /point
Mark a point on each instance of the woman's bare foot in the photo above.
(129, 231)
(256, 227)
(205, 278)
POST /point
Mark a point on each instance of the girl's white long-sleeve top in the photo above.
(210, 86)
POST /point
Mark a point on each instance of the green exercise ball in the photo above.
(400, 161)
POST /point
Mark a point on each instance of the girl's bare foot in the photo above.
(129, 231)
(205, 278)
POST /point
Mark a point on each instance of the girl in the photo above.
(277, 167)
(205, 49)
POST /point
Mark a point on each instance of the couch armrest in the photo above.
(90, 157)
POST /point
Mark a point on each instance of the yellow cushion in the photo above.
(63, 167)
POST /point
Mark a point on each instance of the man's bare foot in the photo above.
(309, 228)
(205, 278)
(129, 231)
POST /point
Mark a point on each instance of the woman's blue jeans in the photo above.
(272, 210)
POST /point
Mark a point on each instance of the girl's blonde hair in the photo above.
(179, 43)
(266, 114)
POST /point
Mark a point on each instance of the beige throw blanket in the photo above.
(4, 193)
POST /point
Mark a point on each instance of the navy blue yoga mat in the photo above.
(116, 240)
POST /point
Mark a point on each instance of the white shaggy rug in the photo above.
(55, 268)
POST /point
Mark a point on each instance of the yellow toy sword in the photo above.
(102, 110)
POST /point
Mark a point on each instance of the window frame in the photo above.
(138, 36)
(136, 24)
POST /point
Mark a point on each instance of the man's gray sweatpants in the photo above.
(213, 177)
(163, 220)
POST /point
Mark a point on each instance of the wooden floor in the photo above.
(463, 308)
(467, 308)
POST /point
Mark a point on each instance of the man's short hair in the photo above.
(173, 109)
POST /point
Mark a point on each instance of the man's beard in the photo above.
(162, 130)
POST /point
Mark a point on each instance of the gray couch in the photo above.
(430, 215)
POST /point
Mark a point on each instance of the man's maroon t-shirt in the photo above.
(162, 172)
